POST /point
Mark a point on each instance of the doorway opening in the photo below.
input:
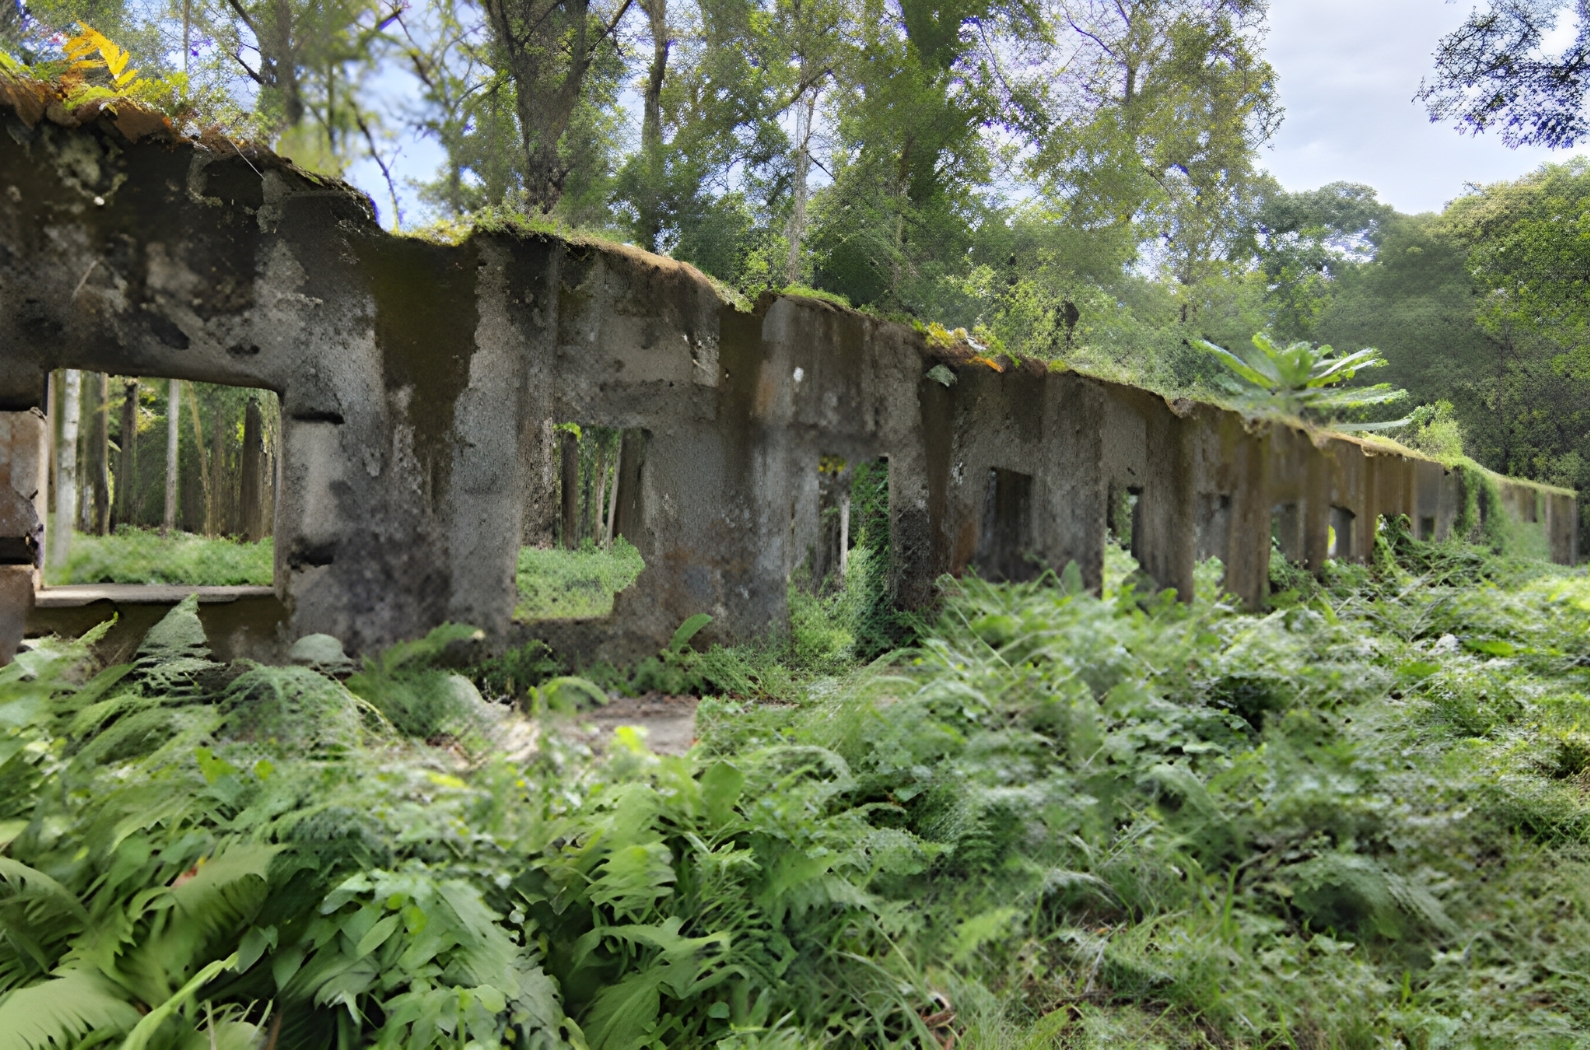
(1286, 531)
(1005, 539)
(585, 559)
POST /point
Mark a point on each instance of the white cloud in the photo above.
(1348, 71)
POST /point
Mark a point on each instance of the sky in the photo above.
(1348, 70)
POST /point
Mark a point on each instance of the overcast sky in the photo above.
(1348, 71)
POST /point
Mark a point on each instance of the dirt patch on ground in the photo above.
(669, 722)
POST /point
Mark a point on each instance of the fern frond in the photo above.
(59, 1012)
(33, 885)
(210, 896)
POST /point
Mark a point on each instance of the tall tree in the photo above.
(467, 105)
(916, 116)
(127, 457)
(168, 521)
(813, 43)
(1157, 110)
(646, 182)
(1310, 239)
(98, 458)
(548, 47)
(297, 53)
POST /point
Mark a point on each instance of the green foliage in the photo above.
(405, 685)
(132, 555)
(1301, 378)
(1435, 431)
(555, 583)
(213, 863)
(1056, 818)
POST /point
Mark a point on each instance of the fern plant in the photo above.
(194, 853)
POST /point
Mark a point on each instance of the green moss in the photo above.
(800, 291)
(425, 326)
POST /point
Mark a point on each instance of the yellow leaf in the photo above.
(82, 48)
(115, 58)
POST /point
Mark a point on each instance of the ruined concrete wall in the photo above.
(420, 383)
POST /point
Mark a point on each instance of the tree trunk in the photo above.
(612, 498)
(220, 480)
(805, 112)
(599, 531)
(903, 177)
(571, 489)
(127, 461)
(536, 36)
(844, 536)
(173, 434)
(587, 511)
(651, 143)
(631, 453)
(252, 481)
(66, 466)
(99, 462)
(204, 466)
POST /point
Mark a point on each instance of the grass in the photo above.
(558, 584)
(144, 556)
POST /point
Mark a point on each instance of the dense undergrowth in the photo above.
(1059, 820)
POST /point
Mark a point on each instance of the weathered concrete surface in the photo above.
(420, 383)
(239, 622)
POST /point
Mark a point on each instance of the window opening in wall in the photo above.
(159, 481)
(1341, 534)
(1286, 531)
(848, 601)
(869, 605)
(1427, 528)
(831, 558)
(590, 560)
(1005, 541)
(1123, 513)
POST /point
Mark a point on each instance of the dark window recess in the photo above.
(1286, 531)
(1005, 541)
(312, 556)
(1341, 544)
(1427, 528)
(19, 550)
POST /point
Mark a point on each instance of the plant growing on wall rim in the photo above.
(1304, 380)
